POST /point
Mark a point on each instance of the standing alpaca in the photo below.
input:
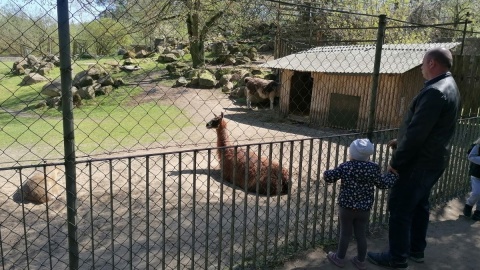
(228, 160)
(264, 88)
(34, 188)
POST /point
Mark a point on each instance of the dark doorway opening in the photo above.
(301, 93)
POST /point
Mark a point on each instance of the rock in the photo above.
(230, 60)
(227, 88)
(41, 104)
(142, 54)
(96, 71)
(182, 81)
(106, 80)
(53, 89)
(242, 60)
(118, 82)
(238, 92)
(130, 68)
(225, 79)
(129, 54)
(103, 90)
(87, 92)
(44, 71)
(177, 68)
(219, 48)
(52, 102)
(82, 79)
(160, 49)
(167, 58)
(239, 75)
(121, 51)
(178, 53)
(32, 60)
(206, 79)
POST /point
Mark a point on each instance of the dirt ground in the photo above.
(453, 243)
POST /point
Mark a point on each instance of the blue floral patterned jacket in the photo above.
(358, 182)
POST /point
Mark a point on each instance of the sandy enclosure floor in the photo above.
(140, 204)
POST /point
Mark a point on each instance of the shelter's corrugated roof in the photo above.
(396, 58)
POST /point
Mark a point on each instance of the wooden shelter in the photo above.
(331, 86)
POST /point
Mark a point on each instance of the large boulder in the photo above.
(177, 68)
(82, 79)
(19, 67)
(32, 60)
(52, 89)
(206, 79)
(225, 79)
(51, 58)
(33, 78)
(96, 71)
(106, 80)
(87, 92)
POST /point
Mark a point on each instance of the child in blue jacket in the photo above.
(359, 177)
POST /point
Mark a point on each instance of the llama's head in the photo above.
(216, 122)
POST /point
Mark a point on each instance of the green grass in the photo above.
(101, 124)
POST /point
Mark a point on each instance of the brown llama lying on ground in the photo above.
(278, 176)
(34, 188)
(264, 88)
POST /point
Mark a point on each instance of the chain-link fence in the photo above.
(109, 101)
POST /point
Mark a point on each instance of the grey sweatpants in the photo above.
(353, 222)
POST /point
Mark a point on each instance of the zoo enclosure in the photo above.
(107, 205)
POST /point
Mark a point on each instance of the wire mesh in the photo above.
(147, 76)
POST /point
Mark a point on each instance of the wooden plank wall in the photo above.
(347, 84)
(286, 84)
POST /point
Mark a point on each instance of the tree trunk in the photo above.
(197, 52)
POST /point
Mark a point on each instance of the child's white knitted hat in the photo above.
(361, 149)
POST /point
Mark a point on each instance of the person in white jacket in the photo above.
(474, 198)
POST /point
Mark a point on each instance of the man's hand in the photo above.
(392, 144)
(392, 170)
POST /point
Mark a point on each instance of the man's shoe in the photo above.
(476, 215)
(467, 210)
(385, 260)
(418, 257)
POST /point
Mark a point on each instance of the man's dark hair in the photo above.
(441, 56)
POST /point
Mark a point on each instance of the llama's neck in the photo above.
(222, 135)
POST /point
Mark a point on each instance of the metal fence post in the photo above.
(68, 129)
(382, 22)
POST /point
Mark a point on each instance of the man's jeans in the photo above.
(410, 211)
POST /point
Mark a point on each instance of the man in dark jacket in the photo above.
(420, 157)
